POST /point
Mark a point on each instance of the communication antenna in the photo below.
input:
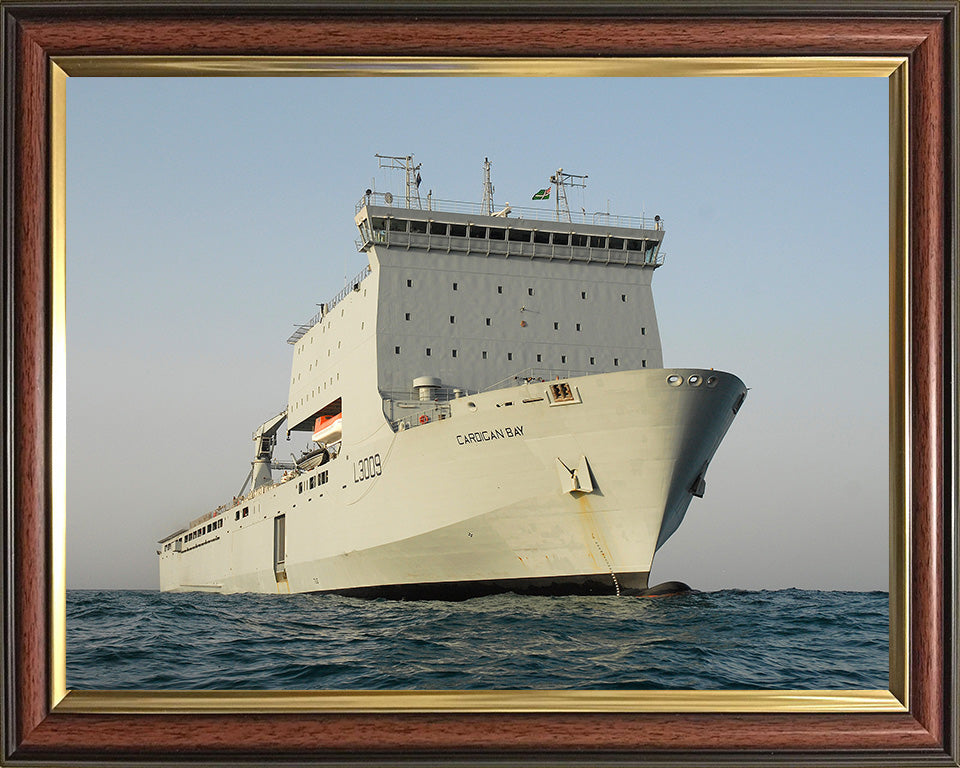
(564, 180)
(487, 205)
(405, 163)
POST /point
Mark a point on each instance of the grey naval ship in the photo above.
(486, 408)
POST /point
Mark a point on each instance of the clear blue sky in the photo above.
(205, 217)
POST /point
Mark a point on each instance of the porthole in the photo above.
(674, 380)
(472, 406)
(694, 380)
(712, 381)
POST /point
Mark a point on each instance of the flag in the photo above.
(543, 194)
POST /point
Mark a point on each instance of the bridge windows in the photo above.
(560, 238)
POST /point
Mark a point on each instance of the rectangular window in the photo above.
(453, 353)
(596, 241)
(420, 227)
(578, 326)
(458, 230)
(313, 483)
(643, 331)
(452, 319)
(428, 351)
(478, 231)
(409, 283)
(437, 228)
(592, 361)
(519, 235)
(539, 358)
(583, 294)
(454, 286)
(563, 359)
(396, 350)
(634, 245)
(541, 237)
(623, 297)
(246, 511)
(509, 355)
(484, 354)
(615, 243)
(556, 326)
(560, 238)
(643, 363)
(396, 225)
(406, 315)
(499, 289)
(496, 234)
(488, 321)
(578, 240)
(616, 361)
(529, 291)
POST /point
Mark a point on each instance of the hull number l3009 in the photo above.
(366, 468)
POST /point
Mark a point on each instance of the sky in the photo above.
(206, 217)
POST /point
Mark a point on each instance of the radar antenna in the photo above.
(405, 163)
(564, 180)
(487, 205)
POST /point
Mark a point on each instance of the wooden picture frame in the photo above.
(915, 722)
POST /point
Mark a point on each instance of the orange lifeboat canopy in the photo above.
(328, 429)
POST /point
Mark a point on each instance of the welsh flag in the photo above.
(543, 194)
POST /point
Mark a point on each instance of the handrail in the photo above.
(528, 375)
(513, 212)
(351, 285)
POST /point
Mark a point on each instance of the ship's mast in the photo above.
(405, 163)
(487, 205)
(562, 181)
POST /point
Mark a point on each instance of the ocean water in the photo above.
(698, 640)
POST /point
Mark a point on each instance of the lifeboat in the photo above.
(328, 429)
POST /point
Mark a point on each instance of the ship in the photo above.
(485, 408)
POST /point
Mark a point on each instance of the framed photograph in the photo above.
(916, 719)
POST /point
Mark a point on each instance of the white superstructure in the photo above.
(491, 410)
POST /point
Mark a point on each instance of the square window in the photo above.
(428, 351)
(509, 355)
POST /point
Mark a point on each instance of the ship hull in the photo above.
(483, 501)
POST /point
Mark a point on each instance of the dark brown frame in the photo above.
(925, 32)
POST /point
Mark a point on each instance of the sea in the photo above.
(729, 639)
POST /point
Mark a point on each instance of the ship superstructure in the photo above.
(488, 408)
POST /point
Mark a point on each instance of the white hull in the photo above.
(476, 503)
